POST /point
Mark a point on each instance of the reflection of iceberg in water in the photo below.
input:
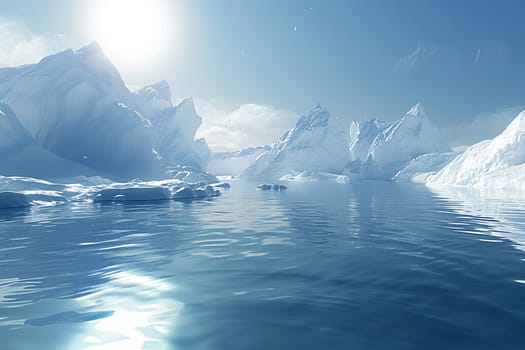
(143, 314)
(506, 207)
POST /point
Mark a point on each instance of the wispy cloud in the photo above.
(247, 126)
(19, 45)
(409, 61)
(476, 60)
(483, 126)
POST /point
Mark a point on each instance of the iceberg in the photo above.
(18, 192)
(495, 164)
(21, 155)
(423, 166)
(154, 191)
(362, 136)
(311, 176)
(132, 194)
(174, 126)
(380, 150)
(73, 112)
(409, 137)
(9, 200)
(318, 142)
(274, 187)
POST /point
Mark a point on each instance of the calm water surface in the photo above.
(370, 265)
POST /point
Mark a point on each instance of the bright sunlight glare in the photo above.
(131, 32)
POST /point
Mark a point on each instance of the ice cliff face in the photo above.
(362, 136)
(12, 133)
(393, 145)
(423, 166)
(154, 97)
(174, 126)
(497, 164)
(75, 105)
(318, 143)
(21, 155)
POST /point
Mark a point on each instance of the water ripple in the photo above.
(370, 265)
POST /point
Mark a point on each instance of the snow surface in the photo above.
(311, 176)
(319, 148)
(318, 142)
(411, 136)
(496, 164)
(424, 165)
(75, 105)
(23, 191)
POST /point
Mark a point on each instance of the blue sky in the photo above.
(464, 60)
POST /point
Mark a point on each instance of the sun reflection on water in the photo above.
(142, 314)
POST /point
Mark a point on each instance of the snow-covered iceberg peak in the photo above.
(496, 163)
(310, 129)
(75, 105)
(318, 142)
(189, 121)
(175, 128)
(93, 59)
(509, 147)
(417, 111)
(156, 96)
(317, 117)
(91, 50)
(411, 136)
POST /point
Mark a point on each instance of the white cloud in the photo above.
(247, 126)
(18, 45)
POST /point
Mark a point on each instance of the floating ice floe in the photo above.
(268, 187)
(155, 191)
(312, 176)
(23, 192)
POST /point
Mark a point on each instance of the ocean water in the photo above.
(368, 265)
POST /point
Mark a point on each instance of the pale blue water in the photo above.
(370, 265)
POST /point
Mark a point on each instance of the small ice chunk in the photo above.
(183, 193)
(210, 191)
(344, 179)
(14, 200)
(132, 194)
(275, 187)
(221, 184)
(119, 198)
(200, 193)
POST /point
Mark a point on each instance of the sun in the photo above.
(131, 32)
